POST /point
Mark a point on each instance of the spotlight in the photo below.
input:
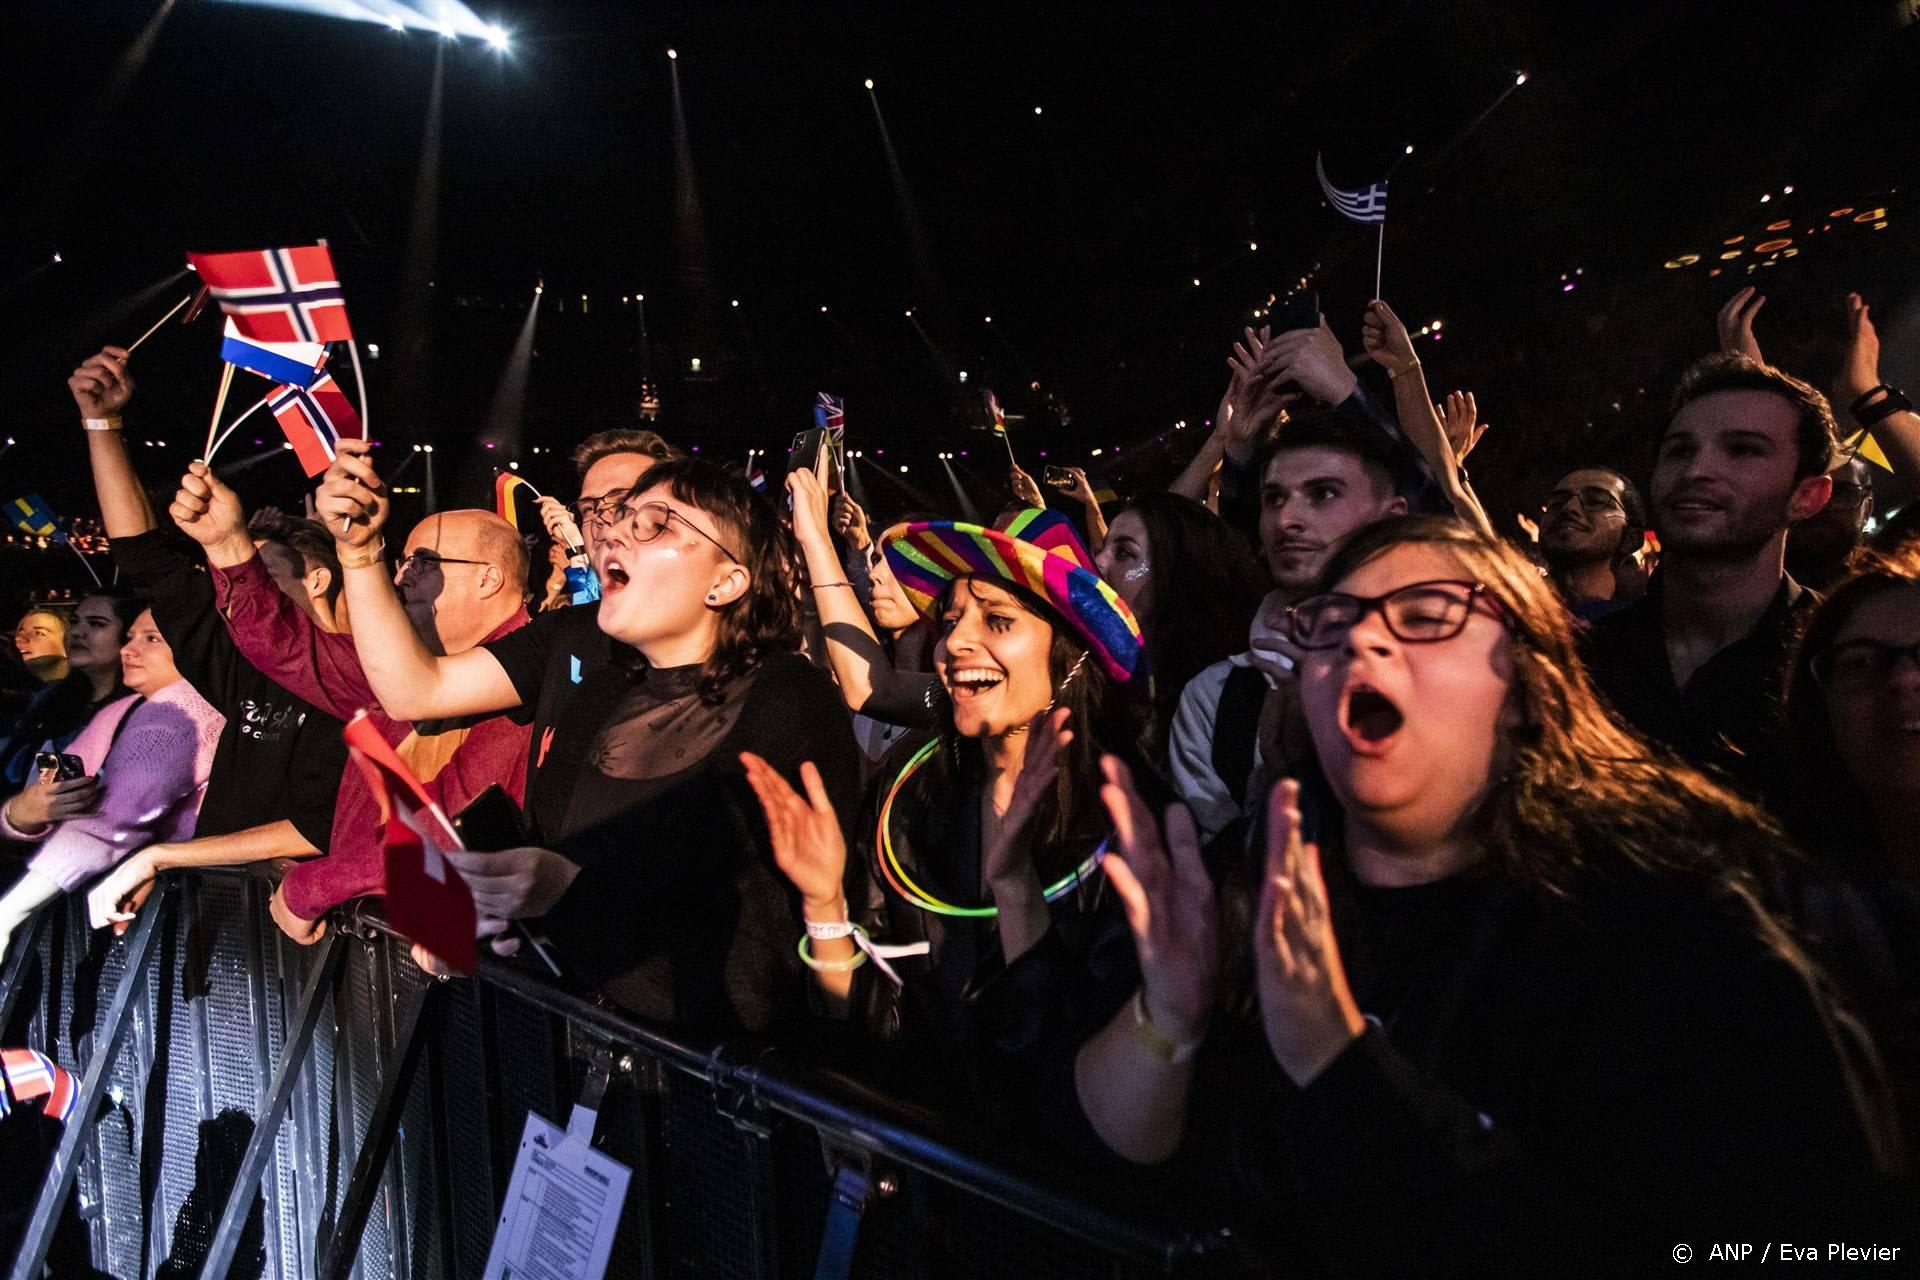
(513, 466)
(909, 313)
(736, 302)
(396, 24)
(497, 37)
(869, 82)
(639, 297)
(1409, 150)
(963, 375)
(56, 256)
(1196, 282)
(373, 351)
(1519, 79)
(903, 466)
(1253, 246)
(1766, 196)
(1036, 111)
(673, 55)
(539, 289)
(1787, 190)
(446, 32)
(989, 319)
(427, 449)
(1436, 326)
(1096, 453)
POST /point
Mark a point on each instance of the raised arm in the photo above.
(411, 681)
(1388, 344)
(842, 621)
(101, 388)
(1898, 432)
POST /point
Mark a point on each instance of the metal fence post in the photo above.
(24, 945)
(293, 1058)
(106, 1047)
(337, 1255)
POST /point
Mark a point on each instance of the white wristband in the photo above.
(101, 424)
(831, 930)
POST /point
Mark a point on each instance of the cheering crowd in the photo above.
(1415, 895)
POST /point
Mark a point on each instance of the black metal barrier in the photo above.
(253, 1108)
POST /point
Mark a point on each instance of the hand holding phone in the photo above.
(58, 766)
(1059, 477)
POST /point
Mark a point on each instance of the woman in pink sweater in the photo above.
(151, 752)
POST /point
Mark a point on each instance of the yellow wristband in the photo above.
(1156, 1041)
(371, 557)
(1408, 367)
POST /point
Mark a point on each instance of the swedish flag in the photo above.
(31, 514)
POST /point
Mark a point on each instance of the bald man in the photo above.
(462, 579)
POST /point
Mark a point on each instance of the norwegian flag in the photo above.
(314, 420)
(426, 898)
(278, 295)
(30, 1074)
(830, 415)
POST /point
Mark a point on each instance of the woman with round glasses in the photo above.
(646, 855)
(976, 855)
(1853, 707)
(1527, 999)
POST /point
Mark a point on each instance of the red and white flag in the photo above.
(278, 295)
(315, 419)
(31, 1074)
(426, 898)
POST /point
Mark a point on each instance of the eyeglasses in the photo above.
(1421, 613)
(1847, 496)
(1592, 499)
(604, 509)
(650, 520)
(422, 561)
(1860, 666)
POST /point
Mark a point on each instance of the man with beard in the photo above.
(1697, 663)
(1591, 528)
(1239, 724)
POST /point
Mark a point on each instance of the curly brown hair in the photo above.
(767, 617)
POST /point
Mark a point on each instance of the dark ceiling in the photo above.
(1169, 139)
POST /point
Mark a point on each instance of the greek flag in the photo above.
(1365, 205)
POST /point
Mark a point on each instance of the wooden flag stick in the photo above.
(84, 564)
(232, 426)
(219, 403)
(157, 323)
(1379, 256)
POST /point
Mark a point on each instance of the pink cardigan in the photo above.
(152, 774)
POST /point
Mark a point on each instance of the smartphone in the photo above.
(1299, 310)
(1059, 477)
(491, 822)
(58, 766)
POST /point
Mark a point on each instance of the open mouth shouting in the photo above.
(968, 683)
(613, 576)
(1369, 719)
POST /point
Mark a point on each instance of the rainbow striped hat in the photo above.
(1033, 549)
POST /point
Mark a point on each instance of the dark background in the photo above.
(1172, 136)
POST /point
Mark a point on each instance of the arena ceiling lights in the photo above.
(450, 19)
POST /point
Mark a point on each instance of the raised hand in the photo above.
(1305, 1005)
(1007, 854)
(811, 518)
(1735, 323)
(353, 492)
(1024, 489)
(1385, 338)
(1170, 907)
(1311, 359)
(807, 844)
(850, 521)
(561, 526)
(1528, 526)
(1860, 371)
(102, 386)
(1082, 490)
(1459, 417)
(209, 512)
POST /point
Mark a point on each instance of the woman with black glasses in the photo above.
(1528, 1000)
(1853, 706)
(646, 855)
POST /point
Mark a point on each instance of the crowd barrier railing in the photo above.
(250, 1107)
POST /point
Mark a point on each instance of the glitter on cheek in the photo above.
(1139, 572)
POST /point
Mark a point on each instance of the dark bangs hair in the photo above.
(1829, 811)
(1815, 437)
(1206, 588)
(765, 619)
(1103, 720)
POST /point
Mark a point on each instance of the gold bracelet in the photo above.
(1156, 1041)
(375, 550)
(1394, 374)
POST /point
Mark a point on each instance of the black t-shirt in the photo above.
(679, 912)
(278, 757)
(549, 660)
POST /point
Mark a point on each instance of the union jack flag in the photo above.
(29, 1074)
(314, 419)
(830, 415)
(278, 295)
